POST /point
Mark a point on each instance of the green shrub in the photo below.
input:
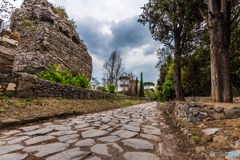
(111, 88)
(62, 12)
(104, 89)
(63, 76)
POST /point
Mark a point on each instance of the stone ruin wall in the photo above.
(46, 40)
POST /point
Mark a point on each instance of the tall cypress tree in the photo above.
(136, 87)
(141, 94)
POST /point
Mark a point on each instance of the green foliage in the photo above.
(168, 90)
(194, 138)
(141, 94)
(111, 88)
(104, 89)
(62, 12)
(63, 76)
(58, 98)
(136, 87)
(148, 84)
(1, 110)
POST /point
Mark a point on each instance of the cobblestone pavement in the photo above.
(131, 133)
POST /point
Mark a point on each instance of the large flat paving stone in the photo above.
(148, 136)
(67, 137)
(60, 133)
(109, 139)
(153, 131)
(13, 156)
(138, 144)
(62, 128)
(30, 128)
(10, 148)
(47, 149)
(94, 158)
(131, 128)
(41, 131)
(124, 134)
(82, 125)
(85, 142)
(104, 127)
(17, 140)
(103, 148)
(38, 139)
(71, 154)
(10, 133)
(94, 133)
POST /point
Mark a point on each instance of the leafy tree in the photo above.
(221, 18)
(176, 24)
(148, 84)
(136, 86)
(141, 93)
(168, 86)
(111, 88)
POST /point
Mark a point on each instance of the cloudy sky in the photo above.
(105, 25)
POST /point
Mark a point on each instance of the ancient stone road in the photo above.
(132, 133)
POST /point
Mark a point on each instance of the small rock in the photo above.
(220, 139)
(11, 87)
(200, 149)
(210, 131)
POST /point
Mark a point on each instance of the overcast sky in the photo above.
(105, 25)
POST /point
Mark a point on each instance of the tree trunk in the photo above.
(177, 70)
(219, 33)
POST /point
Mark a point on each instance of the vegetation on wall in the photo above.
(54, 74)
(60, 10)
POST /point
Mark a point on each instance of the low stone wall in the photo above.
(27, 85)
(197, 113)
(202, 99)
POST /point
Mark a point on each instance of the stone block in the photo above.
(10, 41)
(218, 109)
(216, 115)
(232, 112)
(11, 87)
